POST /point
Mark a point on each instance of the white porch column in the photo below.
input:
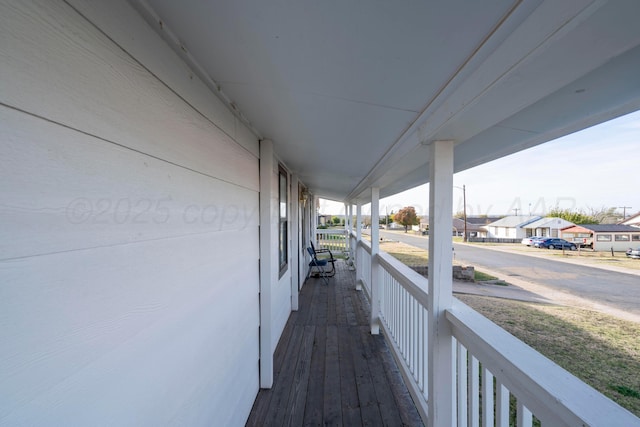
(357, 248)
(347, 225)
(440, 370)
(314, 220)
(295, 240)
(268, 274)
(375, 265)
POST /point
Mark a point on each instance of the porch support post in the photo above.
(375, 265)
(352, 246)
(347, 225)
(357, 248)
(267, 269)
(314, 220)
(440, 369)
(295, 240)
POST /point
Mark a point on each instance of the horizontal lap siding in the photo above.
(128, 237)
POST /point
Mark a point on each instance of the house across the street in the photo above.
(547, 227)
(633, 220)
(603, 237)
(511, 227)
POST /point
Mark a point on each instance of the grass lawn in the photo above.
(601, 350)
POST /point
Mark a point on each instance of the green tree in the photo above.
(335, 220)
(576, 217)
(407, 216)
(386, 219)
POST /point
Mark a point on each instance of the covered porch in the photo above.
(161, 161)
(359, 351)
(329, 369)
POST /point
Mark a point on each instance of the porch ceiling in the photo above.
(352, 92)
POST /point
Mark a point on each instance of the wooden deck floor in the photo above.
(329, 370)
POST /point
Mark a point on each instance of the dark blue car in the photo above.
(554, 243)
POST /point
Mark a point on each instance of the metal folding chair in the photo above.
(321, 266)
(321, 254)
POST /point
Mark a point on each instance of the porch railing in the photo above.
(499, 380)
(333, 239)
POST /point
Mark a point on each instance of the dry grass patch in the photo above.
(409, 255)
(601, 350)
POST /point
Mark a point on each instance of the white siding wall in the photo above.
(129, 228)
(618, 246)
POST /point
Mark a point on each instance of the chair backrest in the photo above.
(312, 252)
(312, 247)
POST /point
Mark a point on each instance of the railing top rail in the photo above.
(365, 245)
(551, 393)
(413, 282)
(331, 231)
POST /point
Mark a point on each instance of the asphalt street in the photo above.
(615, 289)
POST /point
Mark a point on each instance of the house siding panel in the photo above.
(129, 240)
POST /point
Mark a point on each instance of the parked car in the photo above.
(531, 241)
(633, 253)
(553, 243)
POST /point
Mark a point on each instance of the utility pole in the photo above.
(516, 209)
(624, 211)
(464, 211)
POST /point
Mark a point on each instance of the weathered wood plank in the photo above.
(348, 382)
(314, 407)
(332, 413)
(294, 412)
(407, 409)
(381, 384)
(366, 391)
(261, 406)
(278, 407)
(352, 377)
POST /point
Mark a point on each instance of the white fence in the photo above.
(499, 380)
(333, 239)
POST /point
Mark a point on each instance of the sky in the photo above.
(594, 168)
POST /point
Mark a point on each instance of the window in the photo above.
(604, 238)
(622, 238)
(635, 237)
(283, 223)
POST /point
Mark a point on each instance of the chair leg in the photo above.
(320, 271)
(323, 274)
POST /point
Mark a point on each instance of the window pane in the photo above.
(604, 238)
(283, 237)
(283, 195)
(622, 238)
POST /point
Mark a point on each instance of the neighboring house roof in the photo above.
(482, 220)
(515, 221)
(603, 228)
(550, 222)
(632, 220)
(458, 224)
